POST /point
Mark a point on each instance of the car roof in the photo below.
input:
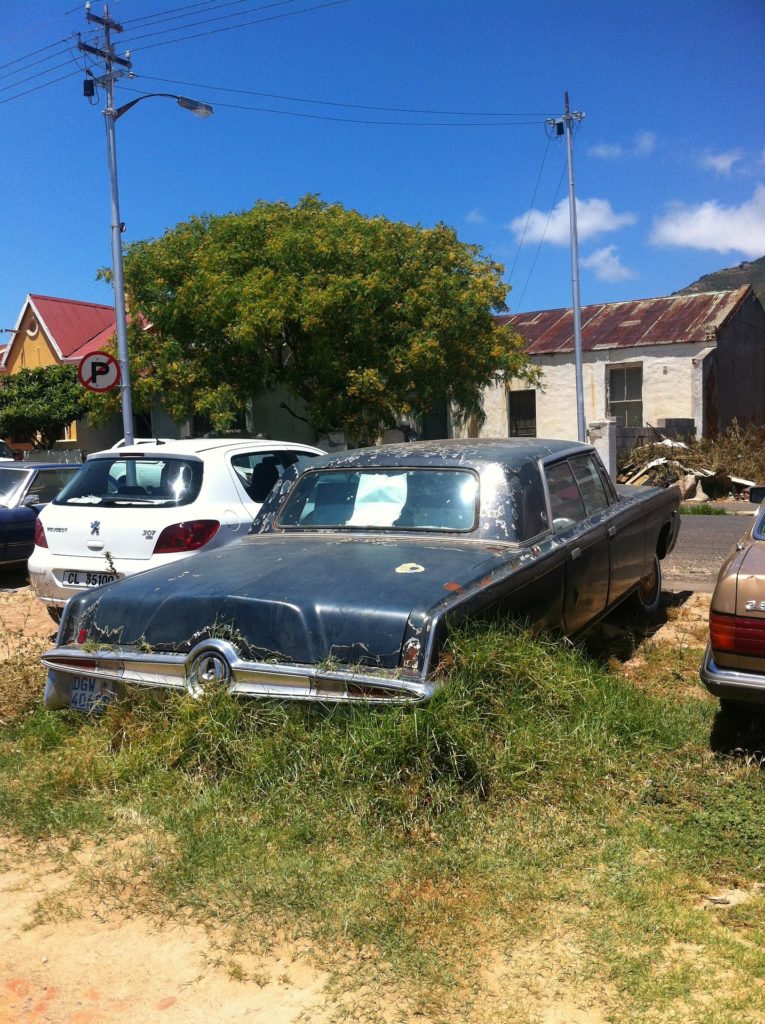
(465, 451)
(43, 465)
(201, 446)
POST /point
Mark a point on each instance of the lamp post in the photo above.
(112, 115)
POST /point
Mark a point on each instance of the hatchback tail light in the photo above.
(186, 536)
(737, 634)
(40, 539)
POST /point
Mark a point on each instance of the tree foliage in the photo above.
(36, 405)
(363, 318)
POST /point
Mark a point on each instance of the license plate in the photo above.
(87, 579)
(89, 694)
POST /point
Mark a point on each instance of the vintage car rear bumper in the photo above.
(747, 687)
(217, 664)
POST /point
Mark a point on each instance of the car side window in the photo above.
(566, 502)
(48, 482)
(259, 471)
(590, 484)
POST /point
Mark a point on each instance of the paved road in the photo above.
(701, 548)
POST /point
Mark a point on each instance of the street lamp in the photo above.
(112, 114)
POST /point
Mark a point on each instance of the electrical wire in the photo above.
(356, 120)
(531, 207)
(330, 103)
(157, 19)
(44, 85)
(541, 240)
(33, 53)
(185, 7)
(245, 24)
(38, 74)
(207, 21)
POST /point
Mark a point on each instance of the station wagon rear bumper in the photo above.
(216, 664)
(732, 684)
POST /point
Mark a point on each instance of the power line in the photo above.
(331, 103)
(205, 21)
(33, 53)
(541, 240)
(531, 207)
(232, 28)
(367, 121)
(185, 7)
(37, 74)
(44, 85)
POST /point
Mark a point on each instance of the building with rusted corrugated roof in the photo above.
(685, 363)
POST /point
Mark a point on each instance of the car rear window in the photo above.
(259, 471)
(395, 499)
(125, 481)
(759, 527)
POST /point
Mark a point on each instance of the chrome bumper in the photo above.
(216, 664)
(732, 684)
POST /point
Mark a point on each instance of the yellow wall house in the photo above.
(52, 331)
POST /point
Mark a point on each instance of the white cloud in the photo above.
(721, 163)
(645, 143)
(475, 217)
(715, 227)
(606, 151)
(607, 266)
(593, 216)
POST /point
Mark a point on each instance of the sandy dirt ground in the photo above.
(98, 968)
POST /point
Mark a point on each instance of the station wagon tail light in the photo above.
(737, 634)
(40, 539)
(186, 536)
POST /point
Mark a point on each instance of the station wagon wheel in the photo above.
(648, 594)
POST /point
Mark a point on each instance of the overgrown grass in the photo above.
(542, 814)
(701, 509)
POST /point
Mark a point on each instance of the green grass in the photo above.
(702, 509)
(541, 810)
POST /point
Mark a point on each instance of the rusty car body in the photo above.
(358, 567)
(733, 668)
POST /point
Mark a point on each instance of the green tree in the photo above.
(36, 405)
(363, 318)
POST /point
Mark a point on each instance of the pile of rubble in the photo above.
(649, 465)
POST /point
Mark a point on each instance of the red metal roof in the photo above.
(76, 328)
(673, 320)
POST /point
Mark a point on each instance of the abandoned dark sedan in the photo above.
(358, 566)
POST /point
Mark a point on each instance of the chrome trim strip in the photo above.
(730, 683)
(248, 678)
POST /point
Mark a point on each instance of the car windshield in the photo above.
(10, 481)
(392, 499)
(127, 481)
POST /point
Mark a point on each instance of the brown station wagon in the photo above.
(734, 664)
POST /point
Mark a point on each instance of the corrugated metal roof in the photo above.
(75, 327)
(673, 320)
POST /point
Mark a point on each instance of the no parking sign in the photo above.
(98, 371)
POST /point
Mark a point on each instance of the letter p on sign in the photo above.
(98, 371)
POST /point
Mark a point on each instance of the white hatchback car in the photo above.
(131, 509)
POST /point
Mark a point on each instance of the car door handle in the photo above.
(575, 553)
(611, 531)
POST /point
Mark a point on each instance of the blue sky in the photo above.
(669, 159)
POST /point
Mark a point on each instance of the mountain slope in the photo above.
(752, 273)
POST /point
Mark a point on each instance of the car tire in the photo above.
(731, 727)
(647, 597)
(55, 613)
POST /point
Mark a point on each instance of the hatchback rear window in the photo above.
(123, 481)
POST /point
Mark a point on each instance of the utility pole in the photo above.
(565, 125)
(110, 59)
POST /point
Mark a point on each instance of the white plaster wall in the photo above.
(670, 388)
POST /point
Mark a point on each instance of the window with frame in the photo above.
(625, 395)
